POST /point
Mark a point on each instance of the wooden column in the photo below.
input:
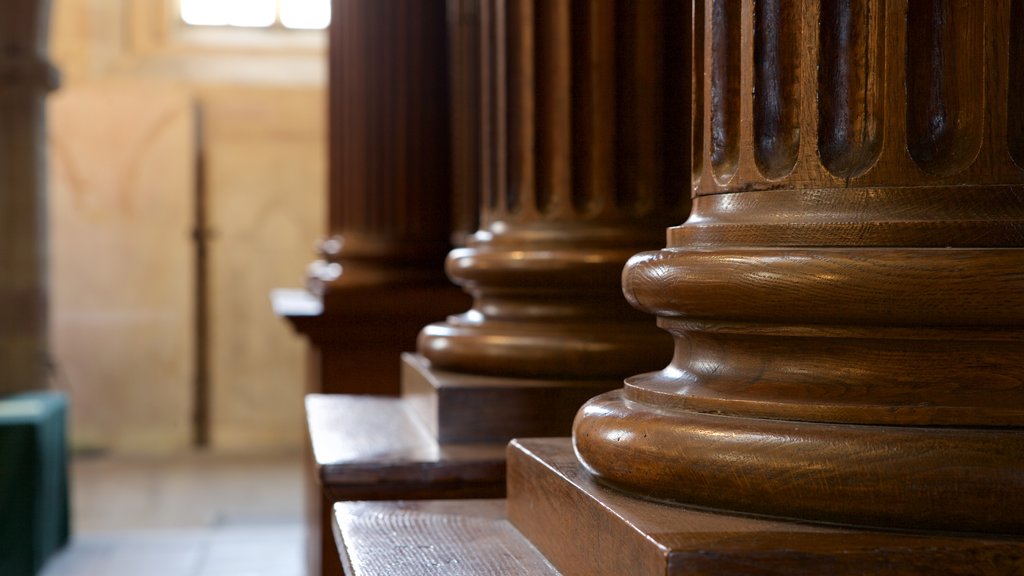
(26, 75)
(847, 298)
(380, 276)
(583, 160)
(464, 73)
(389, 207)
(560, 213)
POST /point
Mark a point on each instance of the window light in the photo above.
(306, 14)
(300, 14)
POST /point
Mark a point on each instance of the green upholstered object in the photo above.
(33, 480)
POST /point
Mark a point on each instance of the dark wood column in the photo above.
(560, 213)
(389, 207)
(583, 159)
(380, 276)
(464, 73)
(847, 299)
(26, 76)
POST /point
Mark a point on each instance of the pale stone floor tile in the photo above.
(223, 551)
(191, 515)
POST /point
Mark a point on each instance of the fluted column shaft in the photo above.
(464, 68)
(848, 294)
(381, 276)
(584, 156)
(389, 209)
(25, 77)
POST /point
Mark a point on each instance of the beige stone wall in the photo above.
(123, 148)
(266, 175)
(120, 210)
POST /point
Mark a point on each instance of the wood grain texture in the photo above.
(381, 275)
(583, 148)
(845, 296)
(553, 501)
(953, 479)
(443, 538)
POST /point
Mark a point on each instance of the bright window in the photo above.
(298, 14)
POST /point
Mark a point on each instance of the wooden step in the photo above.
(375, 448)
(583, 527)
(442, 538)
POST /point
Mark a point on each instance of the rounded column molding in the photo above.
(584, 140)
(846, 297)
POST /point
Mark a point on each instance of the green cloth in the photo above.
(33, 480)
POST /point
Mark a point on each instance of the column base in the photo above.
(585, 528)
(471, 408)
(954, 479)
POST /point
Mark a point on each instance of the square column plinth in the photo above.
(583, 527)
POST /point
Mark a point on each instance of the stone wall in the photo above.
(124, 144)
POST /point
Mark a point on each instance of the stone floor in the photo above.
(198, 514)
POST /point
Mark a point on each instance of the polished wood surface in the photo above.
(441, 538)
(374, 448)
(585, 528)
(846, 296)
(26, 76)
(845, 391)
(582, 164)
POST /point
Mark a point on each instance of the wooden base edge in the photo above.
(585, 528)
